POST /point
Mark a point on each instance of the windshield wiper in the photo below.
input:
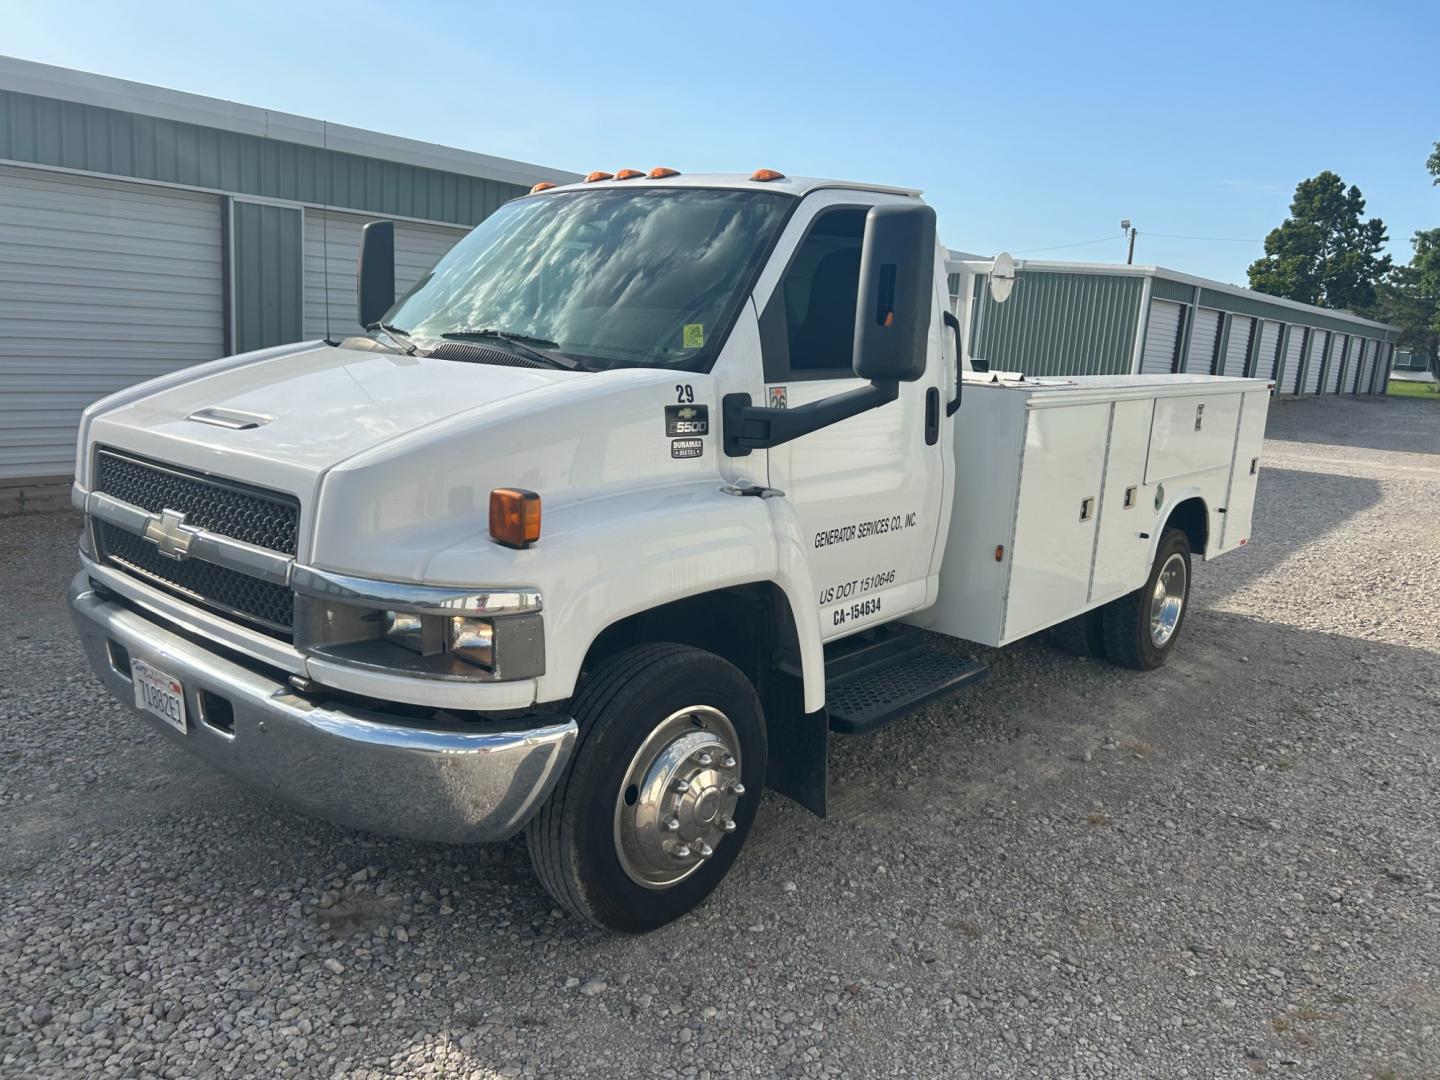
(537, 348)
(395, 334)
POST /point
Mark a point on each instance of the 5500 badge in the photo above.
(683, 420)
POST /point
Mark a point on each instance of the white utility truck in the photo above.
(603, 527)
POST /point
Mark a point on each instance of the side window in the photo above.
(808, 328)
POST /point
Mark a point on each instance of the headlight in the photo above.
(429, 644)
(404, 629)
(473, 640)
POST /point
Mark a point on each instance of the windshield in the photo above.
(613, 278)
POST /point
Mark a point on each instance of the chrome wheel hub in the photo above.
(1167, 601)
(677, 801)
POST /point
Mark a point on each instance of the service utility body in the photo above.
(604, 527)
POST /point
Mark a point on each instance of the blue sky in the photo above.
(1028, 125)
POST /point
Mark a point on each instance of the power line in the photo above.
(1217, 239)
(1082, 243)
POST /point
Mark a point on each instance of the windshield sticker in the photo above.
(687, 448)
(694, 336)
(687, 420)
(778, 398)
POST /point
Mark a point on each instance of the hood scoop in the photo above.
(481, 354)
(233, 419)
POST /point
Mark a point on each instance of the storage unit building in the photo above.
(143, 229)
(1100, 319)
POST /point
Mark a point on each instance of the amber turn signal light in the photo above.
(514, 517)
(661, 173)
(597, 175)
(628, 174)
(766, 175)
(543, 185)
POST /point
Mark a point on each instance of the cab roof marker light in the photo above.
(543, 185)
(764, 176)
(661, 173)
(597, 175)
(628, 174)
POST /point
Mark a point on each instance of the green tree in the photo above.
(1325, 252)
(1433, 164)
(1409, 297)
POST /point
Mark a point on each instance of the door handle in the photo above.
(954, 324)
(932, 416)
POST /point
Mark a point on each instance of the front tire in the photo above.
(660, 792)
(1141, 628)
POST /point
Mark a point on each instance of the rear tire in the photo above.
(619, 843)
(1141, 629)
(1084, 635)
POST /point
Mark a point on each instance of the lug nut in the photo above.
(727, 762)
(704, 758)
(728, 824)
(682, 785)
(704, 850)
(672, 823)
(681, 851)
(735, 788)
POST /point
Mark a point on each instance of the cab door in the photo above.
(869, 492)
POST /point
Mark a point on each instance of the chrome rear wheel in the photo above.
(1167, 600)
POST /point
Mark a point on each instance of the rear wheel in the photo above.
(1084, 635)
(1141, 629)
(661, 790)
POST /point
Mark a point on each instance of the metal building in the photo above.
(143, 229)
(1096, 318)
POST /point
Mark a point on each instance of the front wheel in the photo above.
(1141, 629)
(660, 792)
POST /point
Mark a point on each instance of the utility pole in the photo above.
(1129, 230)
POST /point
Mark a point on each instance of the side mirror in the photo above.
(375, 275)
(897, 282)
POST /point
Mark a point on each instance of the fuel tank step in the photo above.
(877, 677)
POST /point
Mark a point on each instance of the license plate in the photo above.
(158, 693)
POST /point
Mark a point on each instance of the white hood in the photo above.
(324, 405)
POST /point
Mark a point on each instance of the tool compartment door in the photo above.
(1056, 516)
(1244, 472)
(1191, 433)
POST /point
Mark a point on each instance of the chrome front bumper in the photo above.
(455, 782)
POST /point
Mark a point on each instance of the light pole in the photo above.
(1130, 231)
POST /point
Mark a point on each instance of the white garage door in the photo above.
(1203, 342)
(1290, 380)
(332, 248)
(1162, 335)
(102, 284)
(1337, 364)
(1314, 357)
(1269, 356)
(1361, 370)
(1237, 349)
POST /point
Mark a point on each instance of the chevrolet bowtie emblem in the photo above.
(168, 532)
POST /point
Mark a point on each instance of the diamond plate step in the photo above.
(870, 697)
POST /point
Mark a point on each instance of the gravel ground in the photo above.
(1229, 867)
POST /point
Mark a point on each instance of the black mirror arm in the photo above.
(951, 321)
(752, 427)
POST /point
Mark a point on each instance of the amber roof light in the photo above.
(661, 173)
(764, 176)
(597, 175)
(628, 174)
(543, 185)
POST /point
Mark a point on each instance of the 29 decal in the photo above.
(684, 393)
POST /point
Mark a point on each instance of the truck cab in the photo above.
(605, 525)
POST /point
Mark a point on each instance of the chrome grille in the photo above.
(263, 518)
